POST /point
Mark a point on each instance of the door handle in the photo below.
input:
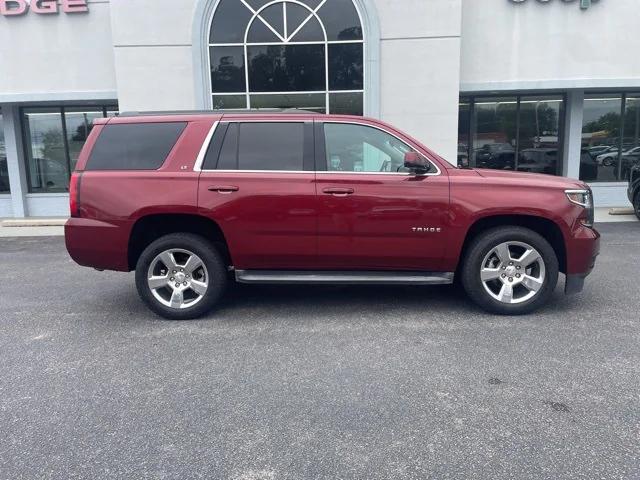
(337, 191)
(226, 189)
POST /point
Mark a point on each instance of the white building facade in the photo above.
(543, 86)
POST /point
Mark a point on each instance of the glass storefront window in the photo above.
(46, 155)
(78, 122)
(494, 139)
(305, 54)
(4, 169)
(601, 128)
(631, 141)
(520, 132)
(464, 128)
(539, 135)
(53, 138)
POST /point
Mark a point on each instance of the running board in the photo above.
(344, 278)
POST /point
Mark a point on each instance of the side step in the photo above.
(344, 277)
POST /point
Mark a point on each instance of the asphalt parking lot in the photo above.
(316, 382)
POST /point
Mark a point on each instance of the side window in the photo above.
(228, 159)
(359, 148)
(134, 146)
(270, 146)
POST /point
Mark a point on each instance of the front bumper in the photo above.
(582, 252)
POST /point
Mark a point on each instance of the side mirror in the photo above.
(415, 161)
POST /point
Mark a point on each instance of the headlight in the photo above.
(584, 198)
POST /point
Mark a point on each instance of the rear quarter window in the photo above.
(134, 146)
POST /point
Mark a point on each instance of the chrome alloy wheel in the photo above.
(512, 272)
(178, 278)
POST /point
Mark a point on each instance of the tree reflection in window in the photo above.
(287, 53)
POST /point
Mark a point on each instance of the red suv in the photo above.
(192, 201)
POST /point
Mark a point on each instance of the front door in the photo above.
(257, 184)
(373, 213)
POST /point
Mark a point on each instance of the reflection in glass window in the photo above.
(281, 48)
(4, 170)
(53, 139)
(631, 142)
(358, 148)
(601, 127)
(494, 139)
(286, 68)
(539, 135)
(464, 129)
(79, 122)
(46, 154)
(522, 133)
(227, 69)
(314, 102)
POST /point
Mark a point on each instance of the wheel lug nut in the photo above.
(171, 279)
(517, 275)
(185, 284)
(177, 284)
(174, 271)
(518, 267)
(511, 279)
(504, 275)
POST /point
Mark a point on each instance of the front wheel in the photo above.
(180, 276)
(636, 205)
(510, 270)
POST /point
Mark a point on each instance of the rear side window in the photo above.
(263, 146)
(134, 146)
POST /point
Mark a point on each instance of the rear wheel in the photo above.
(510, 270)
(180, 276)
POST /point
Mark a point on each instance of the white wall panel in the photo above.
(48, 56)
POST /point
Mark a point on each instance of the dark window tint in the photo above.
(286, 68)
(341, 20)
(271, 146)
(229, 22)
(227, 69)
(345, 65)
(142, 146)
(211, 158)
(229, 153)
(345, 103)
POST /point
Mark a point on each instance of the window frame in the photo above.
(26, 137)
(287, 41)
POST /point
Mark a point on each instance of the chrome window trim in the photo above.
(205, 146)
(197, 167)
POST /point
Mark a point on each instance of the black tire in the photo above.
(636, 204)
(482, 245)
(213, 261)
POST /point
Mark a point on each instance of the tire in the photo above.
(534, 284)
(198, 268)
(636, 204)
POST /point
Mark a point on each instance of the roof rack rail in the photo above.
(220, 112)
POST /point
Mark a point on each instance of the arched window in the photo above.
(287, 54)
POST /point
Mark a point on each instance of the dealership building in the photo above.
(544, 86)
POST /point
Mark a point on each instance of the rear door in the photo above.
(374, 214)
(257, 183)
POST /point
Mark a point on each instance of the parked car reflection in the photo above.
(495, 155)
(538, 160)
